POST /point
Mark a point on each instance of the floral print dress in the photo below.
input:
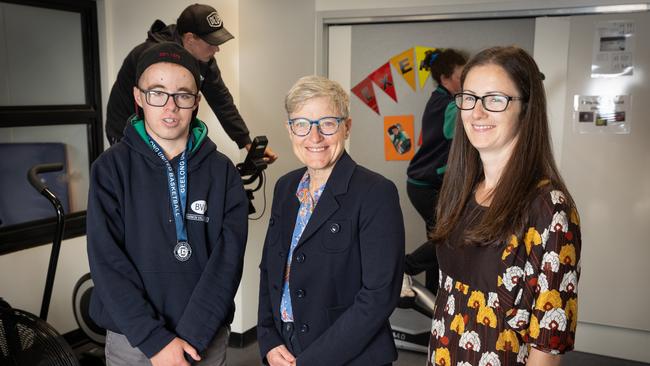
(494, 302)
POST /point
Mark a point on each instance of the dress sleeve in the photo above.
(550, 293)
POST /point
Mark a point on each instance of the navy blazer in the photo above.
(346, 270)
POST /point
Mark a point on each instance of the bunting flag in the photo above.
(420, 53)
(403, 63)
(366, 93)
(384, 80)
(398, 141)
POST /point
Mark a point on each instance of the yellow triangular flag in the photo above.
(403, 63)
(420, 53)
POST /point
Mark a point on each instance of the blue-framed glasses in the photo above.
(326, 126)
(491, 102)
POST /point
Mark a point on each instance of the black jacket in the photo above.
(430, 162)
(141, 289)
(121, 104)
(346, 270)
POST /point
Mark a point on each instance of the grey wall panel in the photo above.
(43, 52)
(372, 46)
(609, 177)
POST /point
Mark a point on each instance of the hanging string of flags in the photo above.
(405, 66)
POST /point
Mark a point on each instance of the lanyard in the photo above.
(177, 190)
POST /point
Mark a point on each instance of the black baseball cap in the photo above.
(204, 21)
(168, 52)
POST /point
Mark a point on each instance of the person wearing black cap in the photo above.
(166, 225)
(200, 30)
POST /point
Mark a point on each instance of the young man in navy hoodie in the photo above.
(167, 226)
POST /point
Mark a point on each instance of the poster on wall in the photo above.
(601, 114)
(613, 49)
(398, 138)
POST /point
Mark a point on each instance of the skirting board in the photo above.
(240, 340)
(628, 344)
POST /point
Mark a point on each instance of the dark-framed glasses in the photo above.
(491, 102)
(326, 126)
(158, 98)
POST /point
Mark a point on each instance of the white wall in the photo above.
(22, 280)
(611, 310)
(277, 47)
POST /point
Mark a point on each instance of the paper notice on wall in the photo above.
(601, 114)
(613, 50)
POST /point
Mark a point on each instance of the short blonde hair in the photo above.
(314, 86)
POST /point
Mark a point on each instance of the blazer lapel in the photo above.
(326, 206)
(291, 206)
(337, 184)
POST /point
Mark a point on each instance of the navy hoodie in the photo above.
(141, 289)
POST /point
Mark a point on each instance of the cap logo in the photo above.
(214, 20)
(164, 54)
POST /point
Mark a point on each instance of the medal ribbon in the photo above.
(177, 189)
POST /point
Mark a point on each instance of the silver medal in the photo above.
(182, 251)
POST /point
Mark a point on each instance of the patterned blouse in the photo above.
(518, 295)
(307, 206)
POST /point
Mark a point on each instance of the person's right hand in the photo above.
(407, 291)
(280, 356)
(174, 354)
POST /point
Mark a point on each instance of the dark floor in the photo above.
(248, 356)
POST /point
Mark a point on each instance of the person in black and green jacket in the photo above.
(426, 170)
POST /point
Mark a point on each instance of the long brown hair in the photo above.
(531, 161)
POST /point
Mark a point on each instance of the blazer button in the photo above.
(281, 254)
(300, 293)
(271, 221)
(335, 228)
(300, 258)
(304, 328)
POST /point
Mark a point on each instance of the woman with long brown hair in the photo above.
(507, 231)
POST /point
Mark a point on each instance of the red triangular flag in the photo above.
(384, 80)
(366, 93)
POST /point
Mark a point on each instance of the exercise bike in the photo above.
(24, 338)
(411, 320)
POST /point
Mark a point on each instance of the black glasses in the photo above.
(157, 98)
(491, 102)
(326, 126)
